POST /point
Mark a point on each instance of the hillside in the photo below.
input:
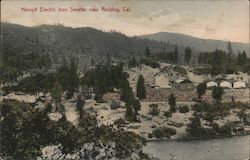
(85, 42)
(197, 44)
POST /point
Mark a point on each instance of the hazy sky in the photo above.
(214, 19)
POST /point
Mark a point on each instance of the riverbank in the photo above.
(233, 148)
(195, 139)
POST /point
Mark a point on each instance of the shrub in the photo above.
(115, 104)
(184, 109)
(150, 62)
(150, 135)
(164, 132)
(225, 130)
(120, 122)
(168, 114)
(180, 70)
(210, 117)
(154, 110)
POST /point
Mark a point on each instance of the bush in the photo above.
(180, 70)
(163, 132)
(115, 104)
(150, 62)
(168, 114)
(215, 109)
(150, 135)
(210, 117)
(225, 130)
(120, 122)
(154, 110)
(184, 109)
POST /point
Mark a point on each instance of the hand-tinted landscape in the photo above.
(83, 93)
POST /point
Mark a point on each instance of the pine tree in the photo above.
(80, 104)
(201, 89)
(217, 93)
(176, 54)
(172, 102)
(56, 94)
(188, 54)
(140, 88)
(230, 52)
(147, 52)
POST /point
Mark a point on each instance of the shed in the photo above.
(225, 84)
(211, 84)
(183, 84)
(239, 84)
(162, 82)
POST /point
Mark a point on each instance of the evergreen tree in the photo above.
(129, 114)
(136, 105)
(176, 54)
(140, 88)
(132, 62)
(172, 102)
(217, 93)
(80, 104)
(68, 76)
(188, 54)
(147, 52)
(230, 51)
(56, 94)
(92, 61)
(241, 58)
(201, 89)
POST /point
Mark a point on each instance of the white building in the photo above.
(162, 82)
(226, 84)
(239, 84)
(212, 84)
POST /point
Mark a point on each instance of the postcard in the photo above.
(125, 80)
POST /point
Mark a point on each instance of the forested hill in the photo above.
(88, 43)
(197, 44)
(57, 40)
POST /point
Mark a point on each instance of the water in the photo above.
(236, 148)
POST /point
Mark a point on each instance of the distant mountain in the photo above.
(197, 44)
(85, 42)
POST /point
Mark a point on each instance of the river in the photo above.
(235, 148)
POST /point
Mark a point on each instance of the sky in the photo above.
(210, 19)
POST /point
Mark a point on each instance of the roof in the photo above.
(212, 84)
(239, 84)
(226, 84)
(183, 80)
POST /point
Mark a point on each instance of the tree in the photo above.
(92, 61)
(154, 109)
(56, 94)
(172, 102)
(194, 125)
(201, 89)
(176, 54)
(68, 76)
(140, 88)
(129, 114)
(23, 131)
(132, 62)
(136, 105)
(80, 104)
(217, 93)
(241, 58)
(147, 52)
(188, 54)
(230, 51)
